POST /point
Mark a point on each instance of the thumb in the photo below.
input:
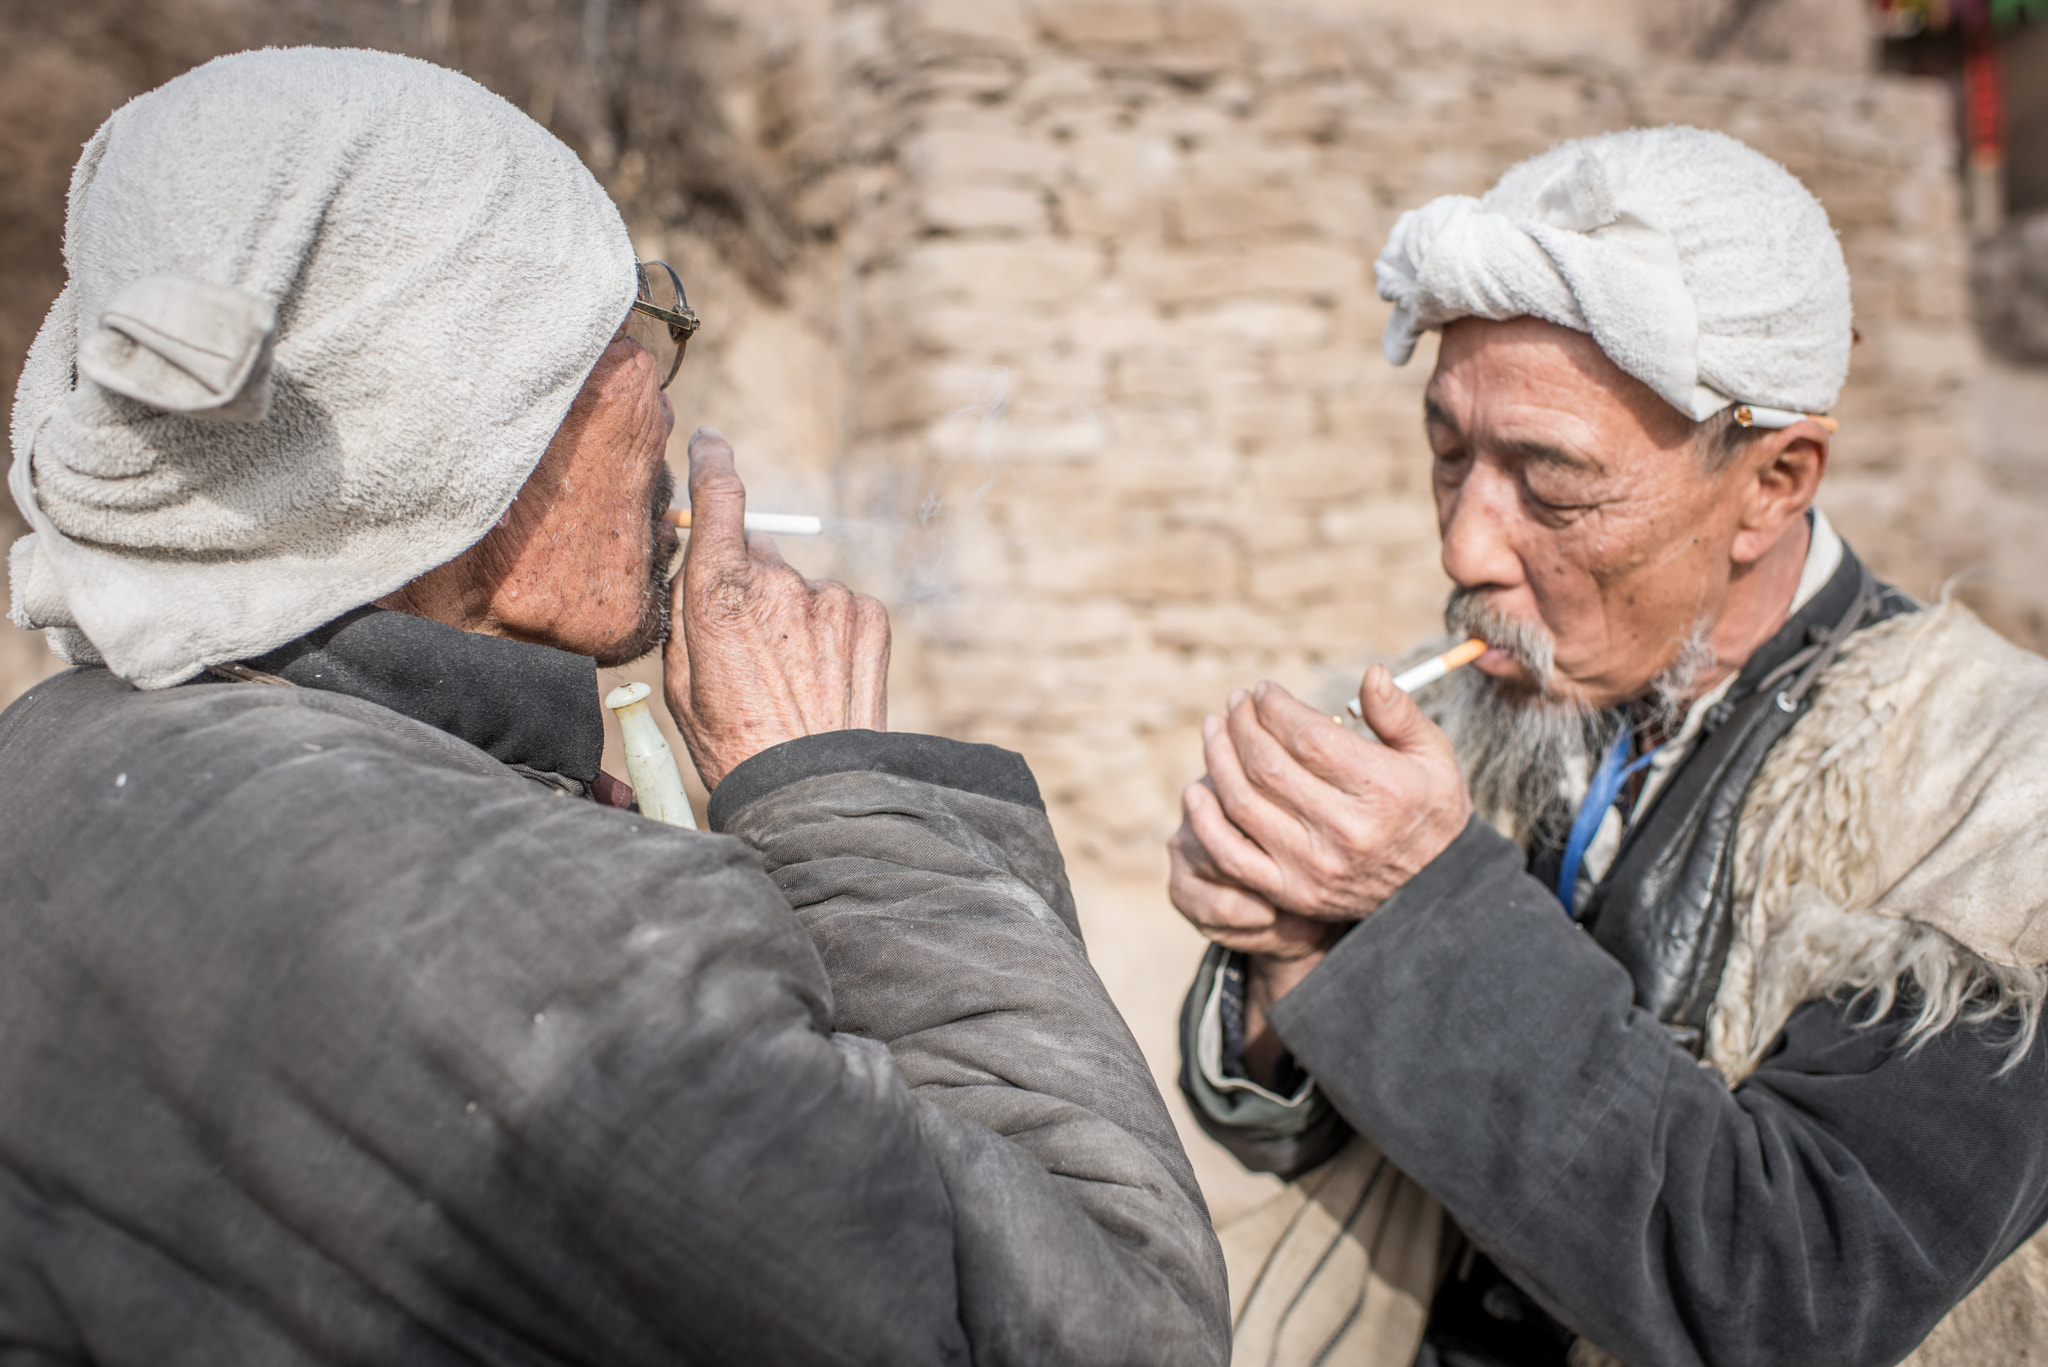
(1395, 719)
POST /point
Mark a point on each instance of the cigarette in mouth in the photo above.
(777, 524)
(1429, 671)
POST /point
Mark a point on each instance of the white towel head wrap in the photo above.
(326, 310)
(1700, 266)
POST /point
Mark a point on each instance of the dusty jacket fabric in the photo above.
(325, 1037)
(1826, 1212)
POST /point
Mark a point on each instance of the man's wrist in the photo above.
(1268, 978)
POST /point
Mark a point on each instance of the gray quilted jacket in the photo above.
(328, 1034)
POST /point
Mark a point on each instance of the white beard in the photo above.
(1526, 760)
(1529, 758)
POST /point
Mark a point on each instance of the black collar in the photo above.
(530, 706)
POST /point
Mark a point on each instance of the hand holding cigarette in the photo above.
(760, 655)
(1301, 826)
(1314, 819)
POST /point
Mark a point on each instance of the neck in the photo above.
(457, 594)
(1758, 602)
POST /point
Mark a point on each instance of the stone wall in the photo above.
(1121, 436)
(1122, 344)
(1827, 35)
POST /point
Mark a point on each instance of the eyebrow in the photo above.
(1543, 453)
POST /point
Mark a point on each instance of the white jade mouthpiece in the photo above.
(650, 764)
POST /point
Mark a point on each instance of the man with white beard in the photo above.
(1713, 796)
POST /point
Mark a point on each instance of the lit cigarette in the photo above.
(1429, 671)
(1756, 415)
(777, 524)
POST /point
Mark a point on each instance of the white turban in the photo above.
(1700, 266)
(326, 310)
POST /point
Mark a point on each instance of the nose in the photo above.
(1476, 521)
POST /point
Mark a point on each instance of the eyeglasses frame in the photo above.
(682, 325)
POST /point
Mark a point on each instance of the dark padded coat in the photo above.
(1825, 1212)
(325, 1036)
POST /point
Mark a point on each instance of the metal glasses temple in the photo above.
(685, 322)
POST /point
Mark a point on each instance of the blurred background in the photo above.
(1062, 311)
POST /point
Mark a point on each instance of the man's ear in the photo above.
(1776, 479)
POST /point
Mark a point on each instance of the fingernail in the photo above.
(1211, 724)
(1260, 691)
(1237, 695)
(1382, 683)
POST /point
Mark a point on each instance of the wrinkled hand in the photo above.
(760, 655)
(1226, 912)
(1310, 819)
(1283, 947)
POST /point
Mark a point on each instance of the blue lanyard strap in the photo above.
(1615, 770)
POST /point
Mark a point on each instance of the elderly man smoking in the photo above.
(1736, 804)
(336, 1024)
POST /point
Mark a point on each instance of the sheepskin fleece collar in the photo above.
(325, 311)
(1894, 840)
(1895, 835)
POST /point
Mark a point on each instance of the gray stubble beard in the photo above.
(652, 631)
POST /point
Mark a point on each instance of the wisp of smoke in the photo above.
(927, 577)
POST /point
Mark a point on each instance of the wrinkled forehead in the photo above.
(1526, 378)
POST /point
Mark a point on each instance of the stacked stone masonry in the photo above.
(1121, 343)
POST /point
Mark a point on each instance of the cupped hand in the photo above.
(1283, 947)
(758, 654)
(1226, 912)
(1312, 819)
